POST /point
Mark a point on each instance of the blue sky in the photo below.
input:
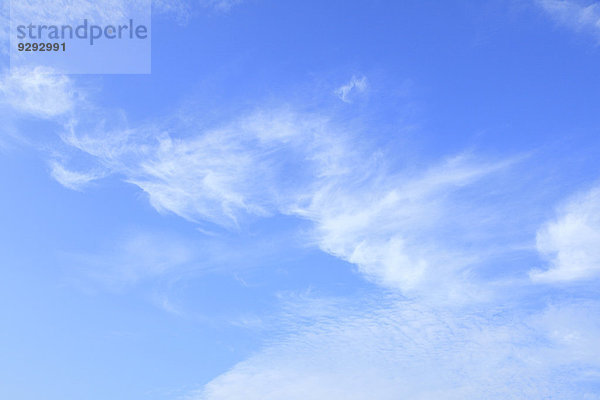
(309, 200)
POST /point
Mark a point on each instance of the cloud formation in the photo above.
(355, 85)
(391, 349)
(72, 179)
(577, 15)
(391, 224)
(38, 92)
(572, 241)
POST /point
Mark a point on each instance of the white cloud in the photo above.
(392, 225)
(391, 349)
(577, 15)
(39, 92)
(217, 175)
(355, 85)
(72, 179)
(572, 241)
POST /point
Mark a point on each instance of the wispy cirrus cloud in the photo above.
(218, 175)
(571, 242)
(74, 180)
(39, 92)
(354, 86)
(578, 15)
(390, 224)
(393, 226)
